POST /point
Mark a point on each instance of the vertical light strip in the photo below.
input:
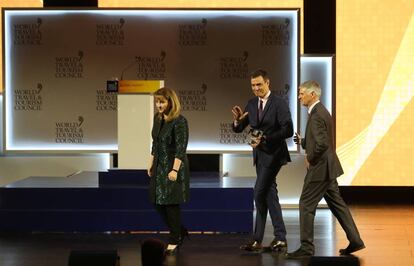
(319, 68)
(294, 54)
(7, 90)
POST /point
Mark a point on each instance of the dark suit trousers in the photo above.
(171, 214)
(266, 199)
(312, 193)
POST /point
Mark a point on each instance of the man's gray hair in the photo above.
(310, 86)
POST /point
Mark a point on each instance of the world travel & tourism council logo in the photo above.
(69, 66)
(284, 93)
(276, 34)
(110, 34)
(28, 99)
(151, 67)
(193, 34)
(106, 101)
(228, 136)
(234, 67)
(28, 34)
(194, 100)
(69, 131)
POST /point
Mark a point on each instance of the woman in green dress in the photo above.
(168, 168)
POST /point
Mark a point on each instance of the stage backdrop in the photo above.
(57, 63)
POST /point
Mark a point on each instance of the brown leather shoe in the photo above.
(352, 247)
(252, 246)
(278, 245)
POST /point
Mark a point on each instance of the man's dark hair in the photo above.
(258, 73)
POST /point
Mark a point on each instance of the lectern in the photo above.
(135, 115)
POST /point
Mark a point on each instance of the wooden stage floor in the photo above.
(388, 232)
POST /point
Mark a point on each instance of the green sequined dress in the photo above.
(169, 141)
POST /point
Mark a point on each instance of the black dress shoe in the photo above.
(352, 247)
(278, 245)
(253, 246)
(299, 254)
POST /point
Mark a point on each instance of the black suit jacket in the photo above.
(319, 146)
(276, 123)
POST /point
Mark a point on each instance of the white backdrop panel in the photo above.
(57, 63)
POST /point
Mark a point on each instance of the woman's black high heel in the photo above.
(172, 251)
(184, 234)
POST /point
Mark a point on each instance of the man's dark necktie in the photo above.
(260, 111)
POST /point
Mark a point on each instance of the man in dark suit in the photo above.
(270, 115)
(323, 167)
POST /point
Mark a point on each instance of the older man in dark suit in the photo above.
(323, 167)
(268, 114)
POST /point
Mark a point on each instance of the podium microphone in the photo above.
(113, 84)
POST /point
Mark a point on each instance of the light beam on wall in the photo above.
(396, 95)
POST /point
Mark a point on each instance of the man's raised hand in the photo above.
(238, 113)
